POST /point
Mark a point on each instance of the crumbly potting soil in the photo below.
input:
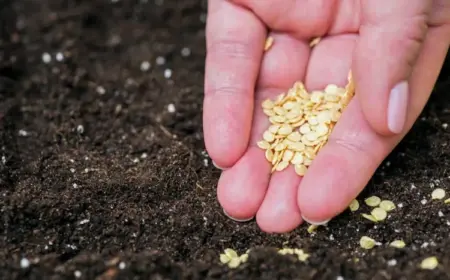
(98, 180)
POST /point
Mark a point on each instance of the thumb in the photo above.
(391, 36)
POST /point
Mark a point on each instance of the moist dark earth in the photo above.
(98, 180)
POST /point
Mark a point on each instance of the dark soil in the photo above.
(78, 196)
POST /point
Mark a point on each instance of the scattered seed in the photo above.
(387, 205)
(312, 228)
(397, 244)
(379, 214)
(263, 145)
(372, 201)
(235, 262)
(354, 205)
(367, 242)
(438, 194)
(370, 217)
(314, 41)
(231, 253)
(429, 263)
(300, 169)
(447, 201)
(269, 43)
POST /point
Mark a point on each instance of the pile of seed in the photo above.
(301, 123)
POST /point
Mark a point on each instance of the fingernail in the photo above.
(397, 107)
(218, 167)
(237, 220)
(316, 223)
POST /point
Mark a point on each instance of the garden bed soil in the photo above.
(98, 180)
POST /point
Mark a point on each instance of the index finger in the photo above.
(235, 45)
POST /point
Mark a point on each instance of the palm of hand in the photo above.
(234, 120)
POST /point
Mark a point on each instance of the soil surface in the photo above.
(98, 180)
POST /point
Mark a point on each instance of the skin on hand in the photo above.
(402, 43)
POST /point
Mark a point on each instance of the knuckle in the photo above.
(354, 146)
(230, 48)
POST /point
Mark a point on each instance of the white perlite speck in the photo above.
(440, 214)
(392, 262)
(167, 73)
(160, 60)
(24, 263)
(85, 221)
(23, 133)
(444, 125)
(77, 274)
(171, 108)
(80, 129)
(101, 90)
(423, 201)
(46, 58)
(122, 265)
(339, 278)
(185, 51)
(145, 65)
(59, 56)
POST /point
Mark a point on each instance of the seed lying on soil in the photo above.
(301, 123)
(447, 201)
(268, 44)
(312, 228)
(354, 205)
(438, 194)
(373, 201)
(379, 214)
(367, 242)
(302, 256)
(429, 263)
(397, 244)
(370, 218)
(232, 259)
(387, 205)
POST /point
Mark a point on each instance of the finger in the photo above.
(354, 151)
(391, 37)
(235, 40)
(242, 188)
(307, 19)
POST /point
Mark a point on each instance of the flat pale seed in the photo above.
(317, 96)
(354, 205)
(243, 258)
(285, 129)
(275, 157)
(398, 244)
(224, 258)
(268, 44)
(269, 155)
(274, 128)
(297, 159)
(277, 119)
(307, 161)
(267, 136)
(267, 104)
(324, 116)
(370, 218)
(304, 129)
(235, 262)
(292, 115)
(313, 121)
(367, 242)
(309, 153)
(230, 253)
(299, 123)
(312, 136)
(281, 146)
(429, 263)
(289, 105)
(263, 145)
(298, 147)
(280, 98)
(282, 165)
(331, 88)
(300, 169)
(332, 98)
(387, 205)
(294, 136)
(279, 111)
(322, 129)
(288, 155)
(312, 228)
(372, 201)
(447, 201)
(335, 115)
(379, 214)
(438, 194)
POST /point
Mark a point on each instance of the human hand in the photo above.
(395, 50)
